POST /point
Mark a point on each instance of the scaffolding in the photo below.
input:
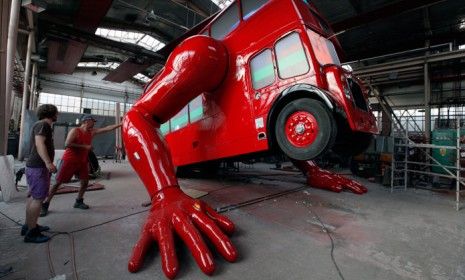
(403, 166)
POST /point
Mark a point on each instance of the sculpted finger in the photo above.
(189, 234)
(356, 187)
(169, 261)
(139, 251)
(219, 239)
(223, 222)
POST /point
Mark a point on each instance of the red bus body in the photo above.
(236, 118)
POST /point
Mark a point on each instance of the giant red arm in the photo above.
(197, 65)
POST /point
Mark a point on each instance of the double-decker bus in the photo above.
(284, 90)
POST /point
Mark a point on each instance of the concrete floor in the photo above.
(405, 235)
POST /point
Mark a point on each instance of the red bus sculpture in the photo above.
(259, 76)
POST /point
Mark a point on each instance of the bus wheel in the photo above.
(305, 129)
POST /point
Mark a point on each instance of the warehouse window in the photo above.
(72, 104)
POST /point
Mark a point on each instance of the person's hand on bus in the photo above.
(88, 147)
(172, 210)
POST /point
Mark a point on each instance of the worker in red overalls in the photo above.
(75, 160)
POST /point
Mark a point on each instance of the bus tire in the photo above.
(305, 129)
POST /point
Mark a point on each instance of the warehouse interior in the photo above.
(98, 58)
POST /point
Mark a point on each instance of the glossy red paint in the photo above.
(323, 179)
(234, 117)
(179, 82)
(360, 120)
(301, 129)
(174, 212)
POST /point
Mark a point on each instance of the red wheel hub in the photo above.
(301, 129)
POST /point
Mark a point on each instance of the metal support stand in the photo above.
(401, 148)
(457, 165)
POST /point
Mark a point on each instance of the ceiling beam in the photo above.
(64, 56)
(387, 11)
(125, 71)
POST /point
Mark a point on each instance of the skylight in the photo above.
(222, 3)
(141, 77)
(130, 37)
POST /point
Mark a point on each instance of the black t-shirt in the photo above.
(44, 129)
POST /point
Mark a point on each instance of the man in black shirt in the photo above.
(39, 167)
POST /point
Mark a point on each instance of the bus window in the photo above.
(262, 70)
(291, 57)
(324, 49)
(165, 128)
(180, 120)
(226, 22)
(196, 109)
(249, 7)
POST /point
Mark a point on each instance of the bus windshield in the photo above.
(324, 49)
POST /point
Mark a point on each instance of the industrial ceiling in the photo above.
(67, 29)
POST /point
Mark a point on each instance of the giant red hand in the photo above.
(174, 212)
(323, 179)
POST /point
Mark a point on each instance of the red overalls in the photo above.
(75, 160)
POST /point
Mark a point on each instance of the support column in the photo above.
(126, 97)
(428, 33)
(25, 100)
(33, 86)
(11, 48)
(427, 85)
(4, 105)
(81, 110)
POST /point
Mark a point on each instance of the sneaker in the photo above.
(34, 236)
(80, 204)
(44, 209)
(41, 228)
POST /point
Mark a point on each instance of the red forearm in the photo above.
(148, 153)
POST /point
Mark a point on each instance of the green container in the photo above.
(445, 137)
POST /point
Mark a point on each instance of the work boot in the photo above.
(41, 228)
(80, 204)
(44, 209)
(34, 236)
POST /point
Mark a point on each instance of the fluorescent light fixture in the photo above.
(36, 6)
(462, 47)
